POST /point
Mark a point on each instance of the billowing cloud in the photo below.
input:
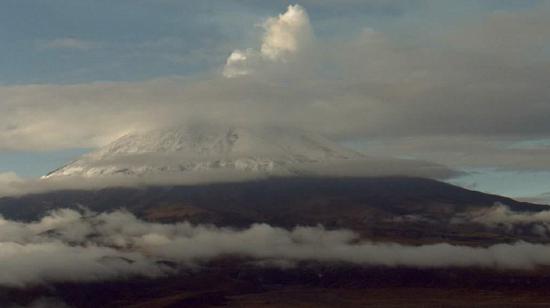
(285, 36)
(82, 246)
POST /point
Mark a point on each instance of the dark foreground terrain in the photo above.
(368, 206)
(234, 283)
(372, 207)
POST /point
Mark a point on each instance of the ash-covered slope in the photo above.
(203, 148)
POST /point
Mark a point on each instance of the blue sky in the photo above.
(136, 40)
(77, 42)
(33, 164)
(512, 183)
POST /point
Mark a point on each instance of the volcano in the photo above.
(306, 181)
(206, 148)
(298, 178)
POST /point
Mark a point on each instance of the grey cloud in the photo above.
(369, 87)
(60, 247)
(9, 177)
(12, 185)
(522, 34)
(508, 154)
(501, 216)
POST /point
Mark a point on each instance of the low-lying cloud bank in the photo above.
(12, 185)
(501, 216)
(68, 245)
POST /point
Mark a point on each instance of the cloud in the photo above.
(510, 153)
(69, 43)
(83, 246)
(366, 167)
(9, 177)
(501, 214)
(543, 198)
(285, 36)
(8, 182)
(502, 217)
(459, 95)
(513, 34)
(241, 63)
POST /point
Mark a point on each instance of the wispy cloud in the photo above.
(69, 43)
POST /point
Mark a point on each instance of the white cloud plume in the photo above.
(284, 37)
(286, 34)
(84, 246)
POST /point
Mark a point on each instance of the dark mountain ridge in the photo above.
(366, 205)
(397, 195)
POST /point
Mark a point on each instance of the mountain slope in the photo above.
(369, 206)
(203, 148)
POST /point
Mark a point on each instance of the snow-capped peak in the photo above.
(203, 148)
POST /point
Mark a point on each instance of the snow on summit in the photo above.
(202, 154)
(203, 148)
